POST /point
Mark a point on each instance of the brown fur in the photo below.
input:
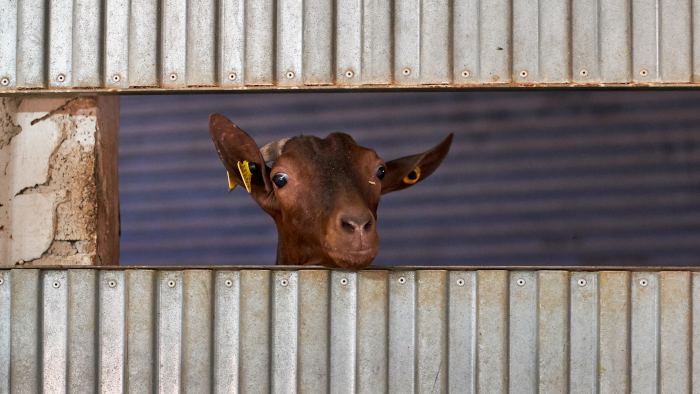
(326, 214)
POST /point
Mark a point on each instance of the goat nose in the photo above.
(353, 223)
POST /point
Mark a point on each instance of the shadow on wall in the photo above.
(533, 178)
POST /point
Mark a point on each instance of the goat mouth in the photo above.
(353, 259)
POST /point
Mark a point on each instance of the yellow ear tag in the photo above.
(231, 182)
(245, 174)
(412, 176)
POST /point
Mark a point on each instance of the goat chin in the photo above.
(352, 259)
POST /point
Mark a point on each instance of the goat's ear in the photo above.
(406, 171)
(233, 146)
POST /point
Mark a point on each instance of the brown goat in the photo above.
(322, 193)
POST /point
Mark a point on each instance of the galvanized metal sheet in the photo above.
(140, 320)
(227, 322)
(254, 335)
(492, 331)
(313, 331)
(675, 332)
(82, 338)
(522, 325)
(343, 335)
(197, 331)
(644, 322)
(112, 336)
(431, 331)
(5, 337)
(462, 332)
(235, 44)
(583, 333)
(613, 332)
(289, 330)
(372, 323)
(285, 330)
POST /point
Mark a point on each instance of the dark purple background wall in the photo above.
(533, 178)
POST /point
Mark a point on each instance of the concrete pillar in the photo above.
(58, 181)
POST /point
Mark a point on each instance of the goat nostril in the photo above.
(368, 226)
(348, 226)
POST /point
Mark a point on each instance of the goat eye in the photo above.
(380, 172)
(280, 179)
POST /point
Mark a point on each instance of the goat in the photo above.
(322, 193)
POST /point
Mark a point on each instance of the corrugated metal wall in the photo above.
(533, 178)
(376, 331)
(119, 45)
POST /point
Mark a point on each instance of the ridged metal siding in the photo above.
(235, 330)
(532, 178)
(234, 44)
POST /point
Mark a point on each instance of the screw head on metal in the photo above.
(112, 283)
(2, 281)
(644, 72)
(284, 282)
(466, 74)
(290, 74)
(643, 282)
(173, 77)
(228, 283)
(460, 282)
(581, 282)
(116, 78)
(523, 74)
(4, 81)
(171, 283)
(56, 284)
(232, 76)
(584, 73)
(402, 280)
(520, 282)
(61, 78)
(349, 74)
(344, 281)
(406, 71)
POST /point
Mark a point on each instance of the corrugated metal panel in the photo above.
(377, 331)
(533, 178)
(119, 45)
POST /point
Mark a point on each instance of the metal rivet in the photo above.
(228, 283)
(521, 282)
(2, 281)
(643, 282)
(344, 281)
(232, 76)
(112, 283)
(284, 282)
(349, 74)
(584, 73)
(116, 78)
(460, 282)
(406, 71)
(402, 280)
(4, 81)
(581, 282)
(61, 78)
(290, 74)
(644, 72)
(173, 77)
(56, 284)
(466, 74)
(171, 283)
(523, 73)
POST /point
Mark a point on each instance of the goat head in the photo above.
(322, 193)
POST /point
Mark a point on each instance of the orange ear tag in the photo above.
(231, 182)
(412, 176)
(245, 174)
